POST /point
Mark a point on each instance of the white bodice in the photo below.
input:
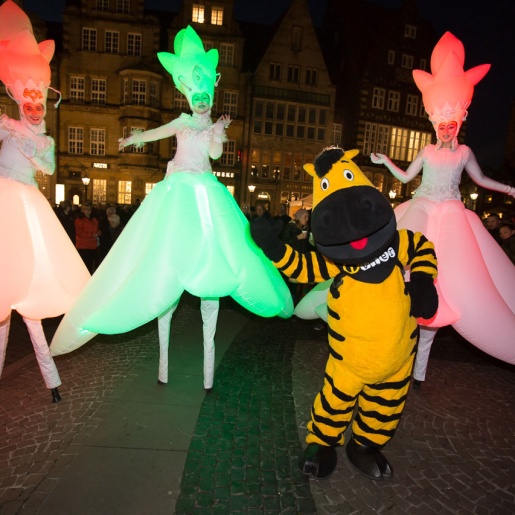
(442, 171)
(193, 140)
(13, 164)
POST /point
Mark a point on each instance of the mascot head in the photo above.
(351, 221)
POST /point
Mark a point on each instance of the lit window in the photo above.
(99, 188)
(148, 187)
(197, 14)
(217, 16)
(89, 39)
(124, 192)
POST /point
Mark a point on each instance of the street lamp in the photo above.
(86, 181)
(252, 188)
(474, 196)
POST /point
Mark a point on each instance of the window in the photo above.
(133, 44)
(89, 39)
(124, 192)
(296, 38)
(311, 77)
(180, 102)
(394, 100)
(423, 64)
(230, 105)
(102, 5)
(410, 31)
(405, 144)
(407, 61)
(378, 181)
(293, 74)
(208, 45)
(275, 71)
(391, 57)
(229, 154)
(77, 87)
(97, 142)
(137, 149)
(112, 42)
(414, 184)
(226, 54)
(149, 186)
(123, 6)
(376, 138)
(412, 105)
(75, 140)
(217, 16)
(99, 191)
(336, 134)
(98, 91)
(139, 92)
(197, 14)
(378, 96)
(152, 94)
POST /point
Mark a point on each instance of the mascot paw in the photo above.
(318, 461)
(424, 297)
(369, 461)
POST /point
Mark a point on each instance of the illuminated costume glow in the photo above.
(188, 234)
(41, 272)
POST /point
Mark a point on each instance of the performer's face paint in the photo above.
(200, 103)
(34, 113)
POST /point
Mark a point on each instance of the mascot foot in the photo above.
(417, 384)
(318, 461)
(369, 461)
(209, 390)
(55, 395)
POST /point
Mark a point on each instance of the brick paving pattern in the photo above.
(454, 450)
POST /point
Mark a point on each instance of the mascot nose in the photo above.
(349, 214)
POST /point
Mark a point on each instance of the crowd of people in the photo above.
(94, 229)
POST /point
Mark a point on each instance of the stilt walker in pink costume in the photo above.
(476, 280)
(41, 272)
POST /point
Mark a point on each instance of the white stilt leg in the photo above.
(427, 335)
(45, 360)
(209, 309)
(163, 325)
(4, 336)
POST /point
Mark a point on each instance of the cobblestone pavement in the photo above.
(454, 450)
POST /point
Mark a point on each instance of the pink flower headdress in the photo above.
(448, 90)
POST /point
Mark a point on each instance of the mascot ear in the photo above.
(310, 168)
(349, 154)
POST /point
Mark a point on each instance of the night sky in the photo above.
(486, 28)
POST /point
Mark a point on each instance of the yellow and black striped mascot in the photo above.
(372, 311)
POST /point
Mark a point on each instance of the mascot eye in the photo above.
(348, 175)
(324, 183)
